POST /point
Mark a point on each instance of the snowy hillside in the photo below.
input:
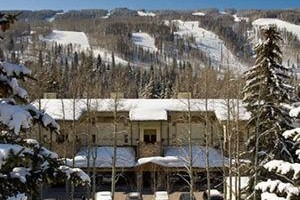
(146, 14)
(81, 43)
(290, 56)
(79, 39)
(144, 40)
(107, 56)
(208, 42)
(293, 28)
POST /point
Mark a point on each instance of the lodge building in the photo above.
(151, 136)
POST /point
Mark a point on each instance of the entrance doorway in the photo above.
(147, 180)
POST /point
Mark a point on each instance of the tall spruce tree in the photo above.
(265, 93)
(24, 163)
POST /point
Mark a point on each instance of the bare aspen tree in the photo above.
(207, 135)
(94, 156)
(191, 174)
(115, 130)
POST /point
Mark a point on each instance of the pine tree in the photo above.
(24, 163)
(265, 92)
(283, 177)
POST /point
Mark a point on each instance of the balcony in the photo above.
(149, 149)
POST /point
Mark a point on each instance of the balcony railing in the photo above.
(149, 149)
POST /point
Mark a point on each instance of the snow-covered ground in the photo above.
(293, 28)
(144, 40)
(146, 14)
(106, 56)
(208, 42)
(79, 39)
(81, 43)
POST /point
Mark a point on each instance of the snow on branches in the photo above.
(284, 168)
(17, 117)
(276, 186)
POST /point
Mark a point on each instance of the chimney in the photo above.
(184, 95)
(50, 95)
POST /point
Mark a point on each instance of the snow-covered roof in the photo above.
(173, 157)
(163, 161)
(104, 155)
(215, 158)
(140, 109)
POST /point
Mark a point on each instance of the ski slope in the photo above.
(78, 39)
(293, 28)
(106, 56)
(208, 42)
(81, 43)
(144, 40)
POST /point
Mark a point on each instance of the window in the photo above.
(126, 139)
(150, 136)
(94, 138)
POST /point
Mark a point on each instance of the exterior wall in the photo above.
(130, 133)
